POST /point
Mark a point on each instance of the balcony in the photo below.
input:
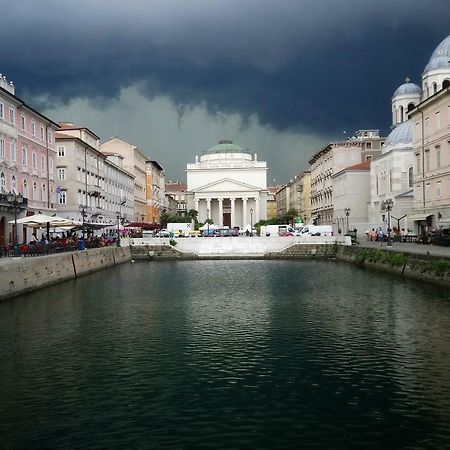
(4, 201)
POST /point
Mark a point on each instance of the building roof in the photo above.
(225, 146)
(71, 126)
(28, 106)
(176, 186)
(156, 163)
(361, 166)
(408, 89)
(402, 134)
(440, 57)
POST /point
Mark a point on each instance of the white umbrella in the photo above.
(211, 226)
(39, 220)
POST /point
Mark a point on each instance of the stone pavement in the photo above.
(418, 249)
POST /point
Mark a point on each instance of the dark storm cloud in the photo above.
(318, 65)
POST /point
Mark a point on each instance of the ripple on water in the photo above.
(229, 354)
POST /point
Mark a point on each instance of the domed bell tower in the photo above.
(405, 98)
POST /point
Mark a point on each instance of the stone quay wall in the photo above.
(21, 275)
(427, 268)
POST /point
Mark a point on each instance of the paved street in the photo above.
(418, 249)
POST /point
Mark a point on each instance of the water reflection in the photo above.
(227, 354)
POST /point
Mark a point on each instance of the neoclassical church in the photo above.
(394, 175)
(228, 185)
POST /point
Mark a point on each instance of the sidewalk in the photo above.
(418, 249)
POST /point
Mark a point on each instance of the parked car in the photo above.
(163, 233)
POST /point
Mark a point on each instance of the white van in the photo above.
(316, 230)
(277, 230)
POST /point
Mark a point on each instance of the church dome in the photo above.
(443, 49)
(225, 146)
(401, 134)
(440, 62)
(408, 89)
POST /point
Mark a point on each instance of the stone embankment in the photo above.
(22, 275)
(296, 251)
(427, 268)
(159, 252)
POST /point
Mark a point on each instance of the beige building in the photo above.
(282, 200)
(431, 144)
(178, 191)
(364, 146)
(155, 191)
(134, 162)
(272, 202)
(296, 195)
(91, 188)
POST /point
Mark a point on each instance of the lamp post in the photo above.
(15, 200)
(251, 221)
(83, 211)
(207, 221)
(388, 204)
(347, 212)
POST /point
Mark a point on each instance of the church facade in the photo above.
(228, 185)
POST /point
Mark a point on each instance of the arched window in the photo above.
(426, 90)
(410, 177)
(401, 114)
(13, 183)
(446, 84)
(34, 190)
(2, 182)
(434, 88)
(43, 193)
(411, 106)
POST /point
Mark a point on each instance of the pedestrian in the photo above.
(380, 235)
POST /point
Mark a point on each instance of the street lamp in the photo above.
(15, 200)
(83, 211)
(347, 212)
(388, 204)
(251, 221)
(207, 221)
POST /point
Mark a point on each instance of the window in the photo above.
(438, 189)
(34, 190)
(22, 122)
(62, 200)
(434, 88)
(51, 164)
(13, 183)
(427, 191)
(44, 196)
(427, 159)
(2, 148)
(438, 156)
(61, 151)
(25, 188)
(50, 137)
(2, 182)
(42, 132)
(410, 177)
(418, 162)
(13, 151)
(34, 160)
(368, 144)
(61, 174)
(438, 121)
(33, 129)
(43, 163)
(24, 156)
(2, 111)
(427, 126)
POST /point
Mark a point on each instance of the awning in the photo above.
(419, 217)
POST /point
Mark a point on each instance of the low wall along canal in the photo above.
(22, 275)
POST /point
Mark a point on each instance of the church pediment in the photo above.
(227, 185)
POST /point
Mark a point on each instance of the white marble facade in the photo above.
(228, 185)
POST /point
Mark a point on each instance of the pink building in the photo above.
(27, 155)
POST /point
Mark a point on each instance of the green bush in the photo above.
(172, 242)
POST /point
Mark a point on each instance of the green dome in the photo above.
(225, 146)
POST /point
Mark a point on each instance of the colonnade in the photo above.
(228, 211)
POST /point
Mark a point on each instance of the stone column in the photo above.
(196, 201)
(220, 212)
(244, 212)
(208, 207)
(256, 210)
(233, 212)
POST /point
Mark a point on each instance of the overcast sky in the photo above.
(281, 77)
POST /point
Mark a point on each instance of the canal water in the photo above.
(227, 355)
